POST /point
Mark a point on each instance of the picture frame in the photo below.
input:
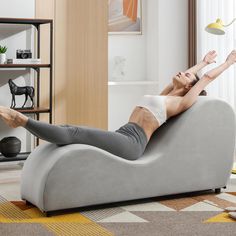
(124, 17)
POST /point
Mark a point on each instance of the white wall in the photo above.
(133, 48)
(152, 34)
(172, 33)
(158, 54)
(15, 37)
(162, 50)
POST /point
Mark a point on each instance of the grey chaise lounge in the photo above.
(191, 152)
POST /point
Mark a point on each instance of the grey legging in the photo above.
(128, 142)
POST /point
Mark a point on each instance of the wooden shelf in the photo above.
(20, 157)
(37, 23)
(24, 65)
(135, 82)
(27, 21)
(33, 110)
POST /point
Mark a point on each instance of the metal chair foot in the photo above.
(218, 190)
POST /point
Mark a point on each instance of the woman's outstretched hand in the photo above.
(210, 57)
(231, 59)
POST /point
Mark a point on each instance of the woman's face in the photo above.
(184, 80)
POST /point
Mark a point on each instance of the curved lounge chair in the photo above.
(193, 151)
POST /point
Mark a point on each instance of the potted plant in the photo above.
(3, 54)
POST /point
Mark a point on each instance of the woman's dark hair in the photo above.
(203, 92)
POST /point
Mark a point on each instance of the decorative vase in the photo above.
(3, 58)
(118, 71)
(10, 146)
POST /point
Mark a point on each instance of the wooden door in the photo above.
(80, 60)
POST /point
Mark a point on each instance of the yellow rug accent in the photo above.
(234, 168)
(74, 229)
(233, 171)
(36, 216)
(221, 218)
(61, 225)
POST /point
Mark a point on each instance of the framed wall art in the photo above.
(125, 17)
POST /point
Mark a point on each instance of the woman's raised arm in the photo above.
(208, 59)
(191, 96)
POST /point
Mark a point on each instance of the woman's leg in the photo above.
(116, 143)
(124, 143)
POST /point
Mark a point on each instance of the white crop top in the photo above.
(156, 105)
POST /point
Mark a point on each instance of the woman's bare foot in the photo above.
(12, 118)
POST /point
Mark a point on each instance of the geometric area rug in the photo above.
(183, 214)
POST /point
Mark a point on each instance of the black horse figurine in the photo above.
(16, 90)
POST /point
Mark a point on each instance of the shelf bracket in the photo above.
(36, 69)
(36, 26)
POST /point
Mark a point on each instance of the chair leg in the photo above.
(218, 190)
(47, 213)
(28, 203)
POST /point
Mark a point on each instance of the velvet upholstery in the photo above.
(192, 151)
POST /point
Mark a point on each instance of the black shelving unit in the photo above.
(38, 109)
(20, 157)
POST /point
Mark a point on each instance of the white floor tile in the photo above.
(10, 191)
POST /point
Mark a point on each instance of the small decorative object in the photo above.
(16, 90)
(23, 54)
(24, 61)
(3, 54)
(10, 146)
(118, 72)
(125, 17)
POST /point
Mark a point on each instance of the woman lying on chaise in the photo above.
(130, 140)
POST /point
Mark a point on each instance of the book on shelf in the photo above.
(24, 61)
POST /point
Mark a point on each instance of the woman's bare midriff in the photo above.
(144, 118)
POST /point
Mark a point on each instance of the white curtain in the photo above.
(207, 12)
